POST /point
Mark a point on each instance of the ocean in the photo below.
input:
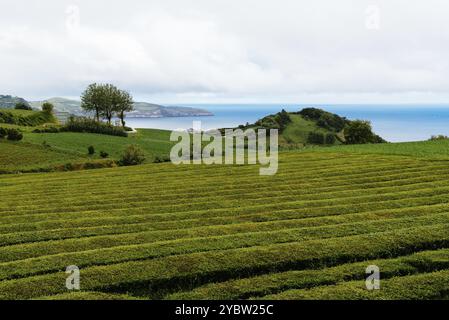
(395, 123)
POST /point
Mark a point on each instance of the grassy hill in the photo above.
(312, 126)
(309, 231)
(54, 151)
(25, 117)
(298, 131)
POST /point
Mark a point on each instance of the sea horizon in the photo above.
(393, 122)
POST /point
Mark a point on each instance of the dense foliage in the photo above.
(22, 106)
(324, 119)
(14, 135)
(106, 100)
(360, 132)
(47, 107)
(11, 134)
(83, 124)
(278, 121)
(321, 138)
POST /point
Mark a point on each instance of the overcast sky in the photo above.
(175, 51)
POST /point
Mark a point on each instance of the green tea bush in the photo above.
(14, 135)
(3, 132)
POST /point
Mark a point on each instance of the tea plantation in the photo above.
(160, 231)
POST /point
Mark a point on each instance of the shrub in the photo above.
(3, 132)
(160, 159)
(104, 154)
(324, 119)
(315, 138)
(330, 138)
(14, 135)
(82, 124)
(438, 137)
(133, 155)
(22, 106)
(51, 129)
(47, 107)
(360, 132)
(278, 121)
(90, 150)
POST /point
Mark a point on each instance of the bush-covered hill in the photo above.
(312, 126)
(25, 117)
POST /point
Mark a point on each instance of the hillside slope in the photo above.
(311, 126)
(25, 117)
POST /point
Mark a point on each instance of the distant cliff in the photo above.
(141, 109)
(9, 102)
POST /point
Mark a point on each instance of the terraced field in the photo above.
(160, 231)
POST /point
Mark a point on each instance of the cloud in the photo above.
(206, 50)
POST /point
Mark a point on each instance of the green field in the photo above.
(438, 149)
(159, 231)
(47, 151)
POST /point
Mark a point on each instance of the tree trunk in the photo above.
(122, 118)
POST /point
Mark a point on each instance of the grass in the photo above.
(153, 142)
(19, 156)
(160, 231)
(50, 151)
(438, 149)
(298, 130)
(25, 117)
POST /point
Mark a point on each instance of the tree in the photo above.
(22, 106)
(359, 132)
(125, 104)
(110, 101)
(47, 107)
(106, 100)
(93, 99)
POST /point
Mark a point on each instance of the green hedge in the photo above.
(81, 124)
